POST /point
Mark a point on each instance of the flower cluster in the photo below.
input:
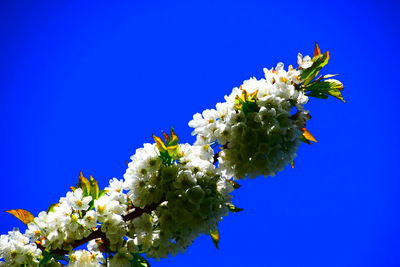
(75, 217)
(86, 258)
(110, 209)
(67, 221)
(258, 125)
(193, 198)
(16, 249)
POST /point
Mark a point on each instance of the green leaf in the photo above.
(102, 193)
(327, 76)
(47, 256)
(318, 95)
(233, 208)
(329, 87)
(324, 85)
(173, 138)
(139, 261)
(84, 184)
(94, 188)
(52, 207)
(215, 237)
(319, 62)
(169, 148)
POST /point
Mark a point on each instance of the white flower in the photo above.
(106, 206)
(304, 62)
(121, 259)
(89, 220)
(80, 258)
(115, 190)
(76, 200)
(16, 249)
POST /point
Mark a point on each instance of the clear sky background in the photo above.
(82, 85)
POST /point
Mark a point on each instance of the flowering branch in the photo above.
(184, 190)
(135, 213)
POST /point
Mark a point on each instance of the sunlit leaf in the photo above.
(169, 148)
(319, 62)
(52, 207)
(307, 135)
(215, 237)
(304, 140)
(23, 215)
(337, 94)
(327, 76)
(159, 143)
(102, 193)
(292, 164)
(233, 208)
(173, 140)
(84, 184)
(94, 188)
(246, 102)
(329, 87)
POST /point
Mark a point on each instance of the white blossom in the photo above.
(263, 137)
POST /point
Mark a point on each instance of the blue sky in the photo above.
(82, 85)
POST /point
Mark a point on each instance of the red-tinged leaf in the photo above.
(215, 237)
(307, 135)
(317, 50)
(174, 140)
(233, 183)
(166, 136)
(23, 215)
(292, 164)
(319, 62)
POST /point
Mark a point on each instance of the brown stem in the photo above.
(216, 155)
